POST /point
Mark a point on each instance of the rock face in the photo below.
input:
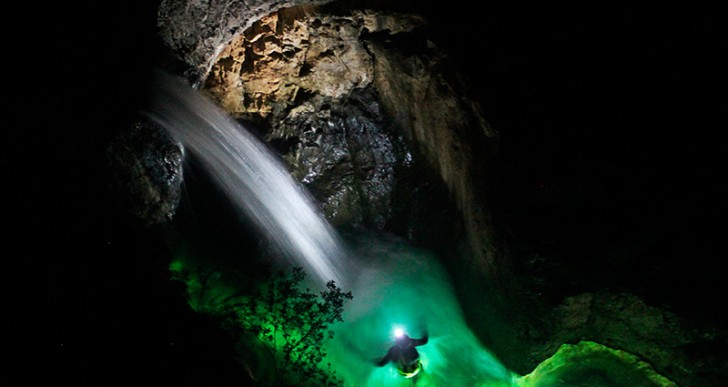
(146, 173)
(286, 53)
(346, 92)
(290, 72)
(198, 30)
(592, 364)
(359, 103)
(623, 321)
(307, 78)
(346, 158)
(369, 116)
(449, 132)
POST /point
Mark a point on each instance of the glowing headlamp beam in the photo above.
(398, 332)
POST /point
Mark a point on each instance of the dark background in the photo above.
(611, 167)
(612, 143)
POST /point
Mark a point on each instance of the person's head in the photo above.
(403, 340)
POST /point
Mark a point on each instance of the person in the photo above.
(404, 353)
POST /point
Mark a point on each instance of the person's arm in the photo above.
(387, 358)
(421, 341)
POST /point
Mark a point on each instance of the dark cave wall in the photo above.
(296, 63)
(584, 208)
(198, 30)
(298, 69)
(446, 128)
(561, 79)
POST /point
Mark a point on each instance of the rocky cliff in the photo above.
(373, 118)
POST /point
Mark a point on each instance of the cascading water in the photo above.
(252, 177)
(394, 284)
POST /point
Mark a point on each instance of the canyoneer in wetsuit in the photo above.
(404, 354)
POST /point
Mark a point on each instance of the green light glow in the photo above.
(594, 365)
(400, 287)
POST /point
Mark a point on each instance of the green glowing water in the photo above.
(398, 286)
(394, 285)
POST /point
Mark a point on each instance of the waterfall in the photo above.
(395, 285)
(252, 176)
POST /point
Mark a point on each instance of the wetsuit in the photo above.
(404, 354)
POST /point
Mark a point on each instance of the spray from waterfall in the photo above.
(252, 177)
(395, 286)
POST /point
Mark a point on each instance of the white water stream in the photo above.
(252, 176)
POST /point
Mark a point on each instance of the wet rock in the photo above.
(146, 173)
(197, 30)
(345, 156)
(285, 58)
(625, 322)
(353, 99)
(305, 77)
(449, 132)
(592, 364)
(302, 62)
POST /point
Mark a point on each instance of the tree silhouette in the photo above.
(291, 324)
